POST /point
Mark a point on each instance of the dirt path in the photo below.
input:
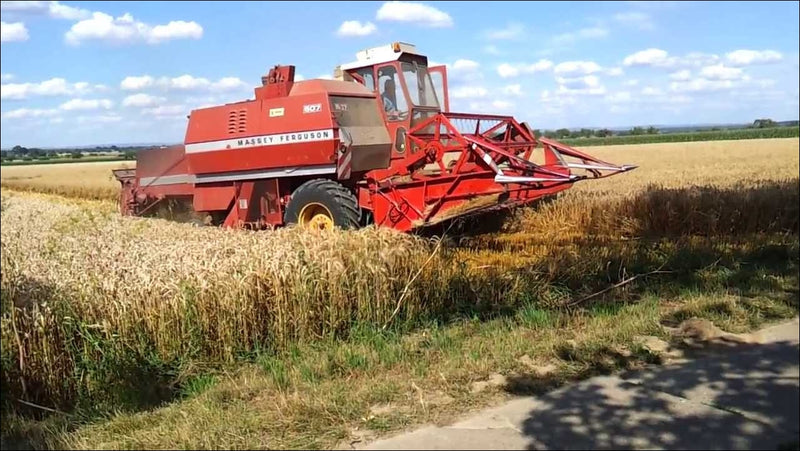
(734, 394)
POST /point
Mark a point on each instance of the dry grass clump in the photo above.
(88, 180)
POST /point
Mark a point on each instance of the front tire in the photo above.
(323, 204)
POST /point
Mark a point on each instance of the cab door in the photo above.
(439, 77)
(395, 105)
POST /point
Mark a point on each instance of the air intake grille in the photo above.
(237, 121)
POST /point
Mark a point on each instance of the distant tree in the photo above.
(652, 130)
(602, 133)
(129, 155)
(586, 132)
(637, 131)
(764, 123)
(77, 154)
(562, 133)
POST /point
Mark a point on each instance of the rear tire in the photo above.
(323, 197)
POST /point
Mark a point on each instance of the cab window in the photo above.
(391, 93)
(420, 87)
(369, 79)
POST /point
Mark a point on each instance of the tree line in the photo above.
(35, 153)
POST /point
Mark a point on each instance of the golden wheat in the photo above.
(89, 180)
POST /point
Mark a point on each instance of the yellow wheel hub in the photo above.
(316, 216)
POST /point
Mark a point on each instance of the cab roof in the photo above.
(382, 54)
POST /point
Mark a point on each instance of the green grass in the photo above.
(715, 135)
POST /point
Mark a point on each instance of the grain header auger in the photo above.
(377, 144)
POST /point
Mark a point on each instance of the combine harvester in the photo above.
(376, 145)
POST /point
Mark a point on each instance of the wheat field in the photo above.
(89, 180)
(88, 296)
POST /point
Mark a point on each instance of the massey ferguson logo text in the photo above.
(285, 138)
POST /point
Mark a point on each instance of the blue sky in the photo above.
(85, 73)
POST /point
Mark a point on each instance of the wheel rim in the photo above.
(316, 216)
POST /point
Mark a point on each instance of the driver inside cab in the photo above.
(388, 95)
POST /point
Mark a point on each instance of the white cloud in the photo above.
(697, 59)
(701, 85)
(166, 111)
(136, 83)
(748, 57)
(13, 32)
(102, 119)
(125, 29)
(585, 33)
(660, 58)
(720, 72)
(86, 104)
(188, 82)
(502, 104)
(324, 77)
(589, 81)
(681, 75)
(6, 77)
(635, 19)
(577, 67)
(23, 113)
(142, 100)
(614, 71)
(52, 87)
(420, 13)
(510, 32)
(633, 82)
(588, 85)
(228, 84)
(466, 65)
(468, 92)
(53, 9)
(176, 29)
(507, 70)
(356, 28)
(649, 57)
(512, 90)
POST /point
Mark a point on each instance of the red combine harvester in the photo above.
(376, 145)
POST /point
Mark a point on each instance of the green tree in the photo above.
(652, 130)
(77, 154)
(562, 133)
(764, 123)
(637, 131)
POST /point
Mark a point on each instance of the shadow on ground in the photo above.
(744, 398)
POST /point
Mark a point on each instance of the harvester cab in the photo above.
(376, 144)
